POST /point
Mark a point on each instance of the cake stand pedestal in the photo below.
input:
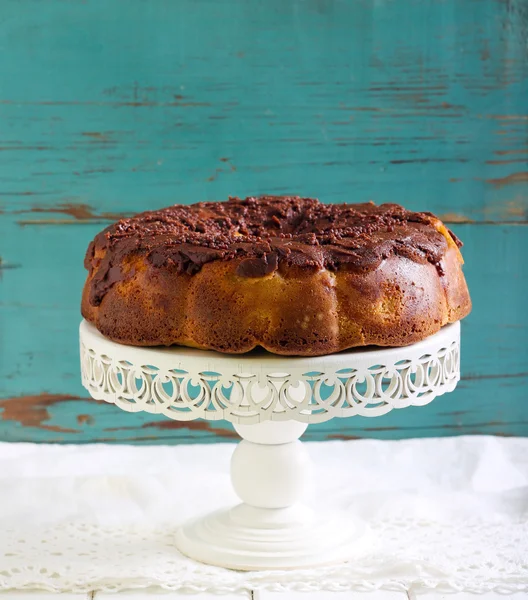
(270, 400)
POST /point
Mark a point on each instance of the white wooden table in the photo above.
(259, 595)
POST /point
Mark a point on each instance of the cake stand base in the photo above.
(248, 538)
(271, 529)
(270, 400)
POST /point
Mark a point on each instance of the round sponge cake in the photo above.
(292, 275)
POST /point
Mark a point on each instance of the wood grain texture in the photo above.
(108, 112)
(372, 595)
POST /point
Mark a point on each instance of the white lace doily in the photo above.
(446, 513)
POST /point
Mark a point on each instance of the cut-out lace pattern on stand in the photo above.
(249, 398)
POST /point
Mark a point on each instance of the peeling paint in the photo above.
(97, 135)
(508, 117)
(515, 210)
(199, 425)
(169, 425)
(219, 170)
(517, 207)
(32, 411)
(454, 218)
(507, 162)
(26, 222)
(81, 213)
(514, 151)
(521, 177)
(85, 420)
(4, 265)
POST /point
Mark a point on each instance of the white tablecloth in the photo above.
(450, 514)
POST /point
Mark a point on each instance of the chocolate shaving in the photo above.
(267, 233)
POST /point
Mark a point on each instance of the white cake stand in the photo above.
(270, 400)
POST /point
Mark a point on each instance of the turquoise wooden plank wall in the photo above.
(110, 107)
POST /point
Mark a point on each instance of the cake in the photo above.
(288, 274)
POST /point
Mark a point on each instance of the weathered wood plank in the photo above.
(472, 409)
(153, 594)
(40, 595)
(64, 418)
(352, 595)
(325, 99)
(40, 362)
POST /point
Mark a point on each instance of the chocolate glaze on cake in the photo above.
(290, 274)
(267, 233)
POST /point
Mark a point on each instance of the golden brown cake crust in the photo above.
(290, 274)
